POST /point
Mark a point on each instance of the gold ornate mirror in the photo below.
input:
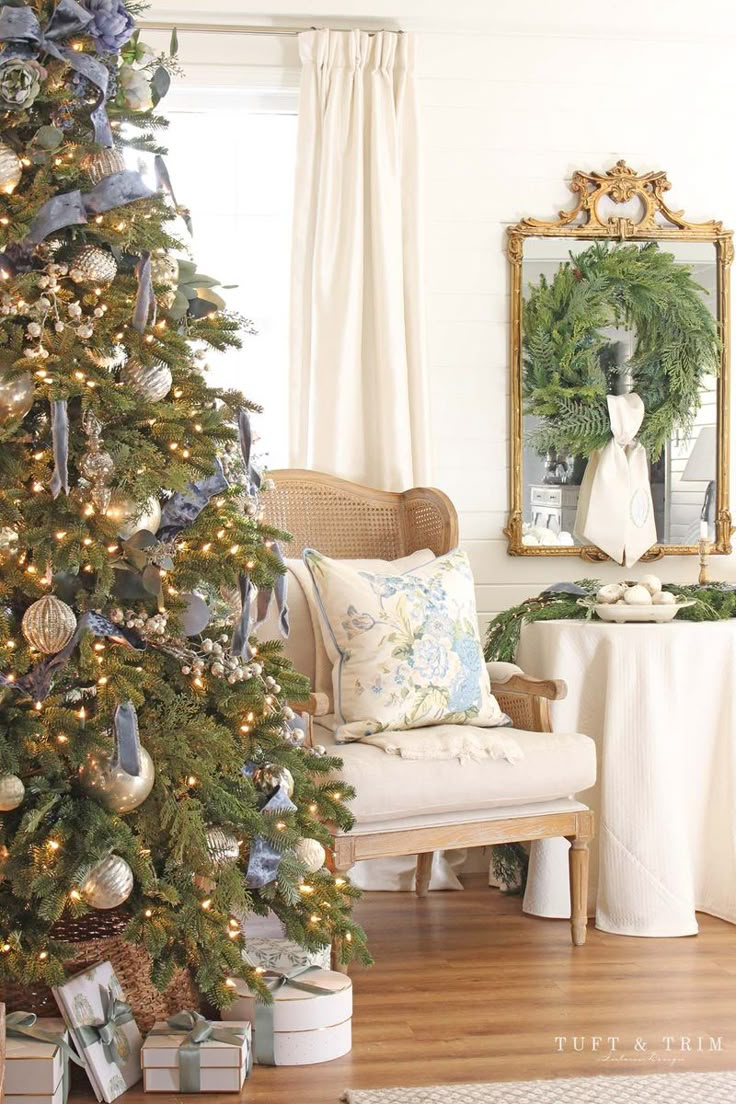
(619, 376)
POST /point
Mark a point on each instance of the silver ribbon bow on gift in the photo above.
(116, 1013)
(22, 37)
(198, 1030)
(275, 980)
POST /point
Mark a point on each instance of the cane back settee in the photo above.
(404, 807)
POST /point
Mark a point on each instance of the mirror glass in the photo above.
(683, 477)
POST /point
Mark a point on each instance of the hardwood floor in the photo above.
(466, 988)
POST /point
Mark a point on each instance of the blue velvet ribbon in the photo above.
(60, 439)
(145, 300)
(127, 739)
(22, 37)
(184, 507)
(264, 858)
(163, 180)
(245, 437)
(278, 591)
(75, 208)
(239, 642)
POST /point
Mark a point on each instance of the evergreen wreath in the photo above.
(568, 367)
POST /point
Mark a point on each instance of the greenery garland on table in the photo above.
(715, 602)
(569, 365)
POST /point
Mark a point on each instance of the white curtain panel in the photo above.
(358, 388)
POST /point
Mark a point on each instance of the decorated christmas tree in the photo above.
(150, 764)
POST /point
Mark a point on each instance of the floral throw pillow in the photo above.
(405, 648)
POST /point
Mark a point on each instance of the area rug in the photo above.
(668, 1088)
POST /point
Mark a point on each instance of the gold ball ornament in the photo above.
(222, 846)
(49, 624)
(131, 518)
(102, 164)
(272, 777)
(148, 382)
(116, 790)
(12, 792)
(16, 396)
(11, 169)
(93, 265)
(311, 854)
(108, 884)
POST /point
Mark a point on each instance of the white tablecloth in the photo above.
(660, 703)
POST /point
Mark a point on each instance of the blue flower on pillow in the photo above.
(465, 692)
(430, 659)
(385, 586)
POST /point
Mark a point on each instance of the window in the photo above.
(231, 161)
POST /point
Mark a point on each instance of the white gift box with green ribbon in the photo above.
(37, 1060)
(309, 1021)
(103, 1028)
(190, 1054)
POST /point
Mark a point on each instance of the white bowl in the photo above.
(621, 612)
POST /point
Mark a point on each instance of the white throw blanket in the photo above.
(463, 742)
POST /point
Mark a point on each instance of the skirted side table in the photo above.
(660, 703)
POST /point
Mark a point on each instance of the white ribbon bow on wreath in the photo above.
(615, 508)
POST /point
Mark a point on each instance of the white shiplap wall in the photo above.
(512, 102)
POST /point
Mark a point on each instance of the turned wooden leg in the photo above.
(579, 863)
(424, 873)
(336, 948)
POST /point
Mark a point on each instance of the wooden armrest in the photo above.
(553, 689)
(310, 706)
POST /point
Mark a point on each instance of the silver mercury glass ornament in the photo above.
(108, 884)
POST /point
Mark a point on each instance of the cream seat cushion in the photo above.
(390, 789)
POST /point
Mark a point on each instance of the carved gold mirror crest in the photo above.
(620, 333)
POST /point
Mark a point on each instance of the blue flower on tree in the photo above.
(112, 25)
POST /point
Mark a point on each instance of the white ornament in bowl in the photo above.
(652, 583)
(637, 595)
(664, 598)
(611, 592)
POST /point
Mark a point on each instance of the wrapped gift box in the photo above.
(87, 1001)
(220, 1066)
(282, 954)
(37, 1072)
(301, 1027)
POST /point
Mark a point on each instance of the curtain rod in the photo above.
(230, 28)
